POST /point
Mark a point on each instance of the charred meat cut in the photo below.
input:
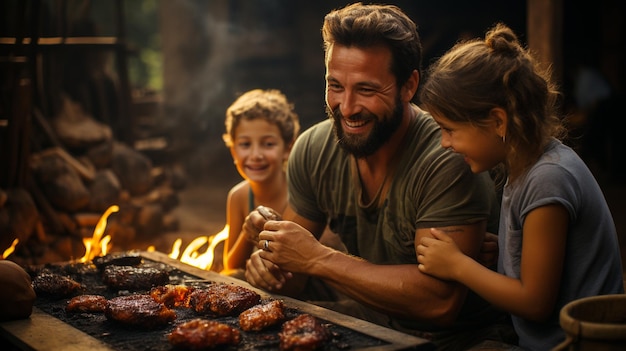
(72, 269)
(87, 303)
(303, 333)
(172, 295)
(261, 316)
(223, 299)
(200, 334)
(134, 278)
(55, 285)
(138, 310)
(118, 259)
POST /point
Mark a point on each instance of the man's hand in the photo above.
(265, 275)
(255, 221)
(290, 246)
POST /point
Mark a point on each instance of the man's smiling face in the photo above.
(362, 97)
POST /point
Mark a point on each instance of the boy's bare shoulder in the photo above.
(240, 189)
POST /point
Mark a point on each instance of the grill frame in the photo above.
(43, 332)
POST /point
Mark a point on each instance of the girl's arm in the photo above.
(534, 294)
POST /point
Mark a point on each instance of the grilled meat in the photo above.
(118, 259)
(223, 299)
(72, 269)
(303, 333)
(138, 310)
(55, 285)
(86, 303)
(172, 295)
(261, 316)
(200, 334)
(134, 278)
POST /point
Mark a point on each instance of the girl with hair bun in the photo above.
(557, 240)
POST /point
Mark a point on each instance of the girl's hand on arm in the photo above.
(440, 256)
(534, 294)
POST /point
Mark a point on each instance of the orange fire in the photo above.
(192, 254)
(97, 245)
(10, 250)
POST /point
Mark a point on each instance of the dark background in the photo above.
(185, 61)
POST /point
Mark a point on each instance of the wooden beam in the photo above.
(545, 32)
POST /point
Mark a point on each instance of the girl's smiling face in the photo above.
(258, 150)
(483, 147)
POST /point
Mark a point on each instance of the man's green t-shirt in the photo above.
(431, 187)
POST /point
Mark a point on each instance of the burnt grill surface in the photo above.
(122, 337)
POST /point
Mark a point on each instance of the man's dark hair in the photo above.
(370, 25)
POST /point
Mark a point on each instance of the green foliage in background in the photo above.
(145, 63)
(142, 36)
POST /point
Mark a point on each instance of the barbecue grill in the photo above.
(51, 328)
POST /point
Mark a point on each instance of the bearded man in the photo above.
(375, 173)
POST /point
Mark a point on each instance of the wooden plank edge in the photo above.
(43, 332)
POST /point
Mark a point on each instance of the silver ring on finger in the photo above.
(266, 245)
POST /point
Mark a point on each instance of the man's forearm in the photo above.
(398, 290)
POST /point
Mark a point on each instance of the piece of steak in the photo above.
(47, 284)
(223, 299)
(259, 317)
(138, 310)
(86, 303)
(201, 334)
(303, 333)
(134, 278)
(172, 295)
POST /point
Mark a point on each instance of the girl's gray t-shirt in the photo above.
(592, 260)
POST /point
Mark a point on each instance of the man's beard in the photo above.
(382, 131)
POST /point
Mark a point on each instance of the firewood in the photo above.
(85, 172)
(44, 206)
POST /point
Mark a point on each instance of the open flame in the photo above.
(10, 250)
(97, 245)
(192, 254)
